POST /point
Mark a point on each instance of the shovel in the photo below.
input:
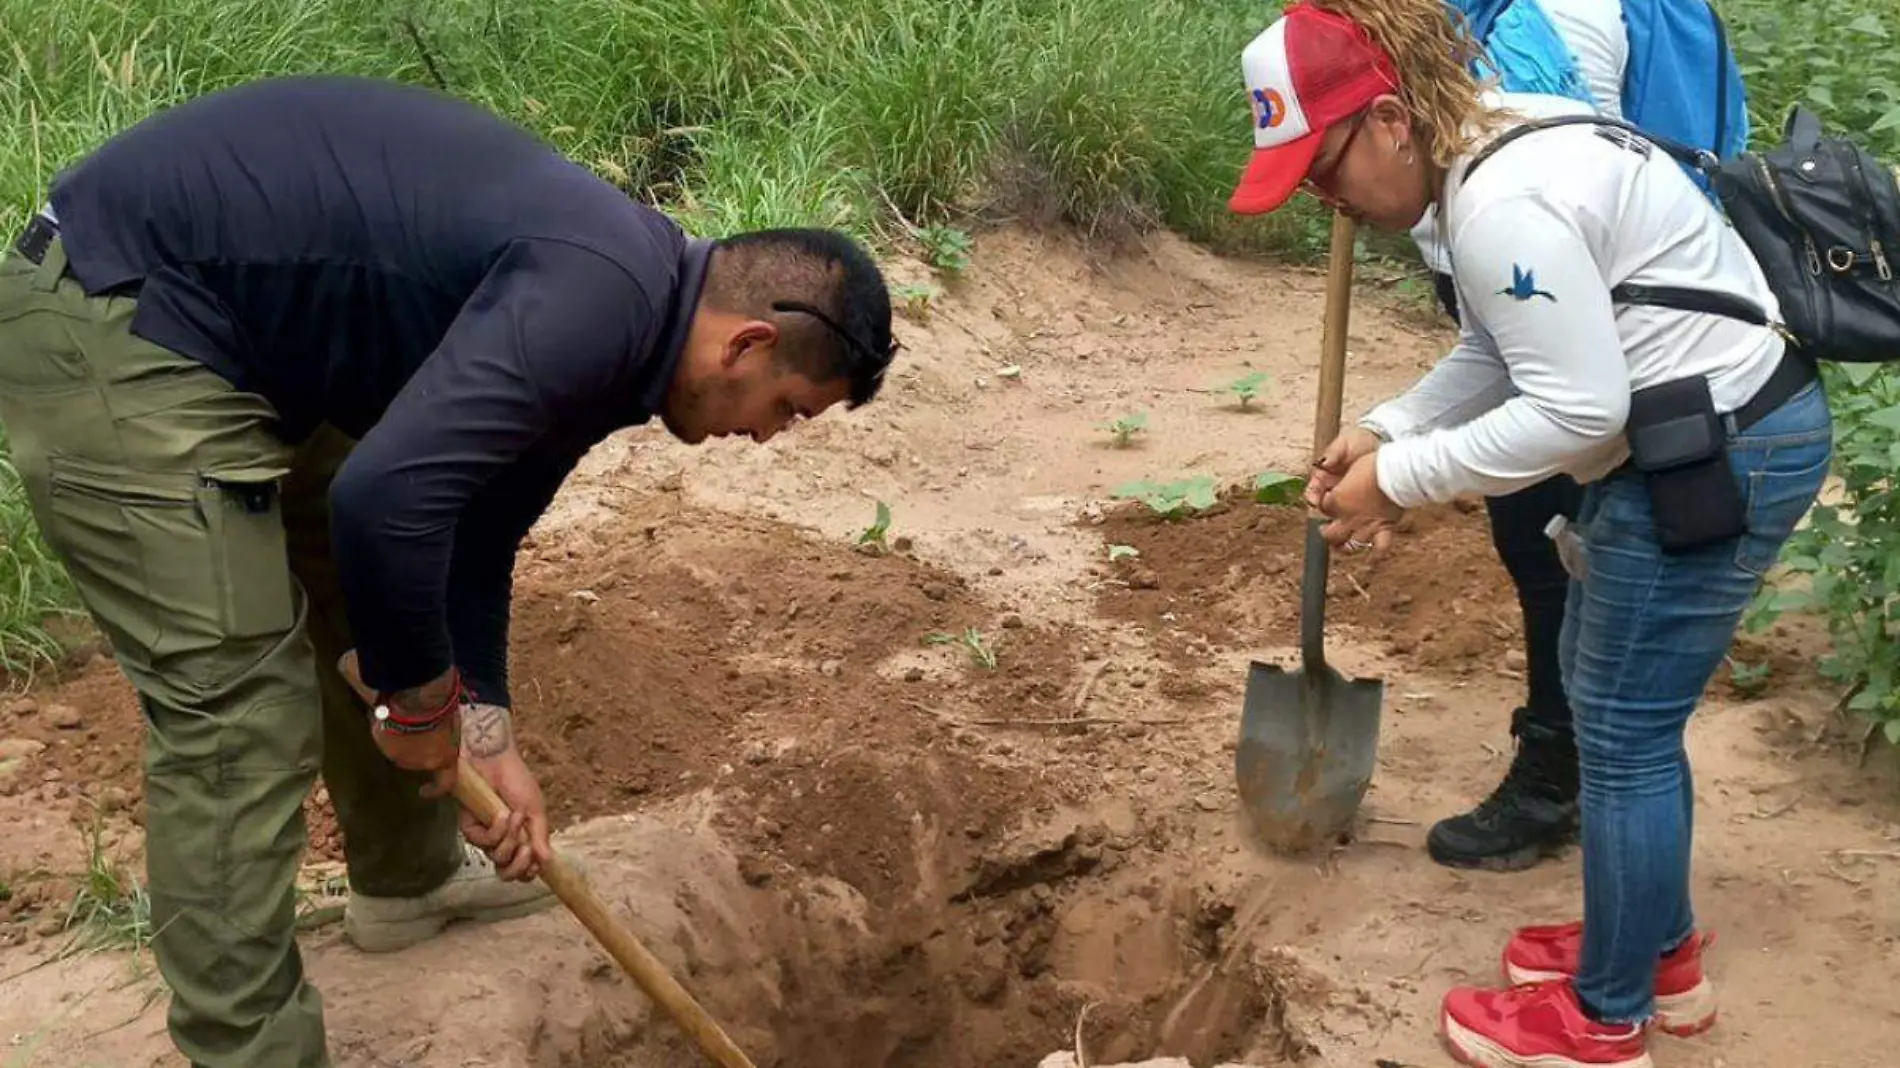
(1309, 737)
(571, 887)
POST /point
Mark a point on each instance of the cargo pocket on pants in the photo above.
(243, 510)
(153, 556)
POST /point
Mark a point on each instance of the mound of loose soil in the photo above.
(682, 649)
(1231, 575)
(708, 649)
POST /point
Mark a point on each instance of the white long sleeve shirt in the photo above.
(1426, 232)
(1540, 379)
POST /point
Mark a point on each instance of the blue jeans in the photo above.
(1643, 634)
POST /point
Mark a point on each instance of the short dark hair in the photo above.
(825, 292)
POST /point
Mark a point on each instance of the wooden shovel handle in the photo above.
(480, 799)
(1332, 363)
(475, 794)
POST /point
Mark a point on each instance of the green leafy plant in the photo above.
(973, 642)
(1122, 552)
(1124, 429)
(916, 298)
(876, 534)
(110, 910)
(947, 248)
(1246, 388)
(1748, 679)
(1273, 487)
(1842, 563)
(1171, 500)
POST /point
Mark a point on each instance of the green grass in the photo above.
(1105, 115)
(110, 909)
(33, 587)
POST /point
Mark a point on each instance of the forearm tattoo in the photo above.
(487, 731)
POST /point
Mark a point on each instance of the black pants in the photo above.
(1517, 531)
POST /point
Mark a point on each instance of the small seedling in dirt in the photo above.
(917, 297)
(110, 910)
(1245, 389)
(1748, 679)
(1272, 487)
(972, 640)
(947, 248)
(874, 534)
(1122, 552)
(1125, 428)
(1171, 500)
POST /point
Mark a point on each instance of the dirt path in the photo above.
(854, 860)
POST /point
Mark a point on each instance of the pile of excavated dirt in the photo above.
(848, 864)
(1232, 574)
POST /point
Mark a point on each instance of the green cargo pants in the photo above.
(199, 543)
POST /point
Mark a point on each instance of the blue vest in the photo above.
(1681, 82)
(1523, 50)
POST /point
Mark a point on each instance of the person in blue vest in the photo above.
(1664, 65)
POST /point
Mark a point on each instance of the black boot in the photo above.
(1531, 815)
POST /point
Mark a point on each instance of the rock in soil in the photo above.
(19, 748)
(65, 717)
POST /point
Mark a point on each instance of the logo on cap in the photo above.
(1269, 109)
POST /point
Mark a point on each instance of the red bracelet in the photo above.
(388, 718)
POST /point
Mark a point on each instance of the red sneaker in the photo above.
(1539, 1026)
(1685, 999)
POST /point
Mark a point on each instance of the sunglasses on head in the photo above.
(847, 336)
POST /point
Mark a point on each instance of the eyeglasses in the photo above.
(1319, 179)
(847, 336)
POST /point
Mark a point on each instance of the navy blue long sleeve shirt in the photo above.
(428, 278)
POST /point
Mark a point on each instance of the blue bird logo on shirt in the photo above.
(1524, 286)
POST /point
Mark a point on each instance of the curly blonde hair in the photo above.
(1432, 47)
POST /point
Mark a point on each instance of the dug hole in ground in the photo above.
(956, 803)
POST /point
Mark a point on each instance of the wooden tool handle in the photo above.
(480, 799)
(1332, 365)
(474, 793)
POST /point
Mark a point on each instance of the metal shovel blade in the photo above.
(1308, 736)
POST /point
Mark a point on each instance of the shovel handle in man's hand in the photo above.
(474, 793)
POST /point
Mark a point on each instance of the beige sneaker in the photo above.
(475, 894)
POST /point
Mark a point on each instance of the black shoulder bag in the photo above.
(1822, 217)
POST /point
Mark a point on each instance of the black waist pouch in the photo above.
(1678, 442)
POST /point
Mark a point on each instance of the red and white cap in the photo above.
(1310, 69)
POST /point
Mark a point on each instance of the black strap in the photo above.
(1706, 302)
(1791, 376)
(1704, 161)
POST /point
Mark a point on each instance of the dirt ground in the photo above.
(790, 762)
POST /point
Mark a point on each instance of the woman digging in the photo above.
(1369, 106)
